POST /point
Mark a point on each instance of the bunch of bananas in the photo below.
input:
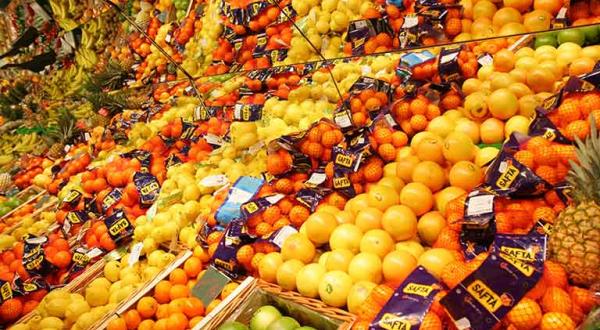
(64, 82)
(18, 143)
(65, 11)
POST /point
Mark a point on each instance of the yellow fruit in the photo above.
(286, 274)
(485, 155)
(446, 195)
(417, 197)
(357, 203)
(346, 236)
(369, 218)
(465, 175)
(339, 260)
(397, 265)
(475, 106)
(366, 267)
(430, 148)
(308, 279)
(492, 131)
(382, 197)
(405, 167)
(430, 174)
(389, 170)
(377, 241)
(111, 270)
(434, 260)
(267, 268)
(483, 8)
(458, 146)
(468, 127)
(50, 323)
(96, 296)
(334, 288)
(323, 258)
(344, 217)
(75, 309)
(411, 246)
(503, 104)
(319, 227)
(500, 80)
(470, 86)
(516, 124)
(440, 126)
(359, 292)
(298, 247)
(400, 222)
(430, 225)
(393, 182)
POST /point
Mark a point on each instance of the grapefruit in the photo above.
(400, 222)
(405, 167)
(537, 20)
(286, 274)
(268, 265)
(369, 218)
(346, 236)
(344, 217)
(520, 5)
(458, 146)
(298, 247)
(382, 197)
(357, 203)
(430, 148)
(263, 317)
(504, 16)
(430, 225)
(319, 227)
(413, 247)
(491, 131)
(516, 124)
(334, 288)
(308, 279)
(434, 260)
(540, 79)
(393, 182)
(358, 294)
(468, 127)
(365, 267)
(465, 175)
(417, 197)
(397, 265)
(339, 260)
(430, 174)
(377, 241)
(503, 104)
(446, 195)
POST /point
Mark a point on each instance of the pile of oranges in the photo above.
(363, 103)
(320, 140)
(549, 160)
(16, 216)
(72, 167)
(171, 304)
(414, 115)
(387, 142)
(97, 236)
(573, 115)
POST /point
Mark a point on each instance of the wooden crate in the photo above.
(29, 201)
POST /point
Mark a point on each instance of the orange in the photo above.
(583, 298)
(504, 16)
(176, 306)
(132, 319)
(179, 291)
(431, 322)
(551, 6)
(178, 276)
(228, 289)
(465, 175)
(382, 197)
(162, 311)
(557, 321)
(178, 321)
(520, 5)
(116, 324)
(525, 315)
(194, 321)
(192, 267)
(193, 307)
(162, 291)
(146, 325)
(298, 214)
(556, 300)
(162, 324)
(537, 20)
(554, 274)
(11, 309)
(581, 66)
(147, 307)
(418, 197)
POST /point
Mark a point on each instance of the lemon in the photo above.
(286, 274)
(308, 279)
(334, 288)
(96, 296)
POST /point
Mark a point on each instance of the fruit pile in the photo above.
(268, 318)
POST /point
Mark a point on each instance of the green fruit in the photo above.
(263, 317)
(591, 34)
(284, 323)
(571, 35)
(546, 39)
(233, 326)
(306, 328)
(12, 202)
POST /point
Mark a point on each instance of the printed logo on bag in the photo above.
(418, 289)
(390, 321)
(118, 226)
(509, 175)
(6, 291)
(484, 295)
(341, 182)
(521, 254)
(522, 266)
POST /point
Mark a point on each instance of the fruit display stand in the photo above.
(30, 200)
(307, 311)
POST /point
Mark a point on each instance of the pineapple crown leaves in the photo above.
(583, 176)
(65, 130)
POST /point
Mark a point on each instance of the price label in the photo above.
(134, 256)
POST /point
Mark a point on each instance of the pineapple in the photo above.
(63, 134)
(575, 239)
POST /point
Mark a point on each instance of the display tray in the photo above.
(307, 311)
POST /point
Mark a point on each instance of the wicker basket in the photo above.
(213, 319)
(233, 309)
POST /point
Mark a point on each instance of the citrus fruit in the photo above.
(382, 197)
(334, 288)
(397, 265)
(400, 222)
(446, 195)
(430, 148)
(286, 274)
(377, 241)
(346, 236)
(434, 260)
(576, 36)
(393, 182)
(465, 175)
(411, 246)
(308, 279)
(339, 260)
(365, 267)
(359, 292)
(492, 131)
(503, 104)
(298, 247)
(405, 167)
(430, 225)
(267, 268)
(417, 197)
(458, 146)
(369, 218)
(319, 227)
(430, 174)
